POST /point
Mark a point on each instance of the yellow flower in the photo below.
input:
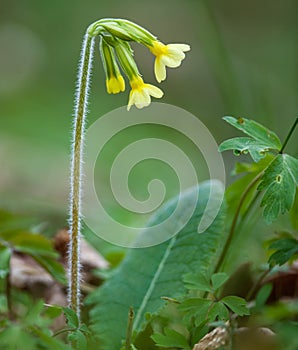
(140, 94)
(115, 84)
(169, 55)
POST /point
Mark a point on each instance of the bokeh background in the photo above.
(242, 63)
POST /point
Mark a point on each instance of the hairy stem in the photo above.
(234, 222)
(85, 67)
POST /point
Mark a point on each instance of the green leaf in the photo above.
(14, 337)
(197, 281)
(235, 190)
(52, 266)
(170, 339)
(218, 311)
(38, 247)
(52, 311)
(286, 248)
(5, 254)
(256, 131)
(147, 274)
(195, 308)
(71, 317)
(243, 145)
(27, 242)
(279, 183)
(218, 279)
(78, 338)
(236, 304)
(263, 296)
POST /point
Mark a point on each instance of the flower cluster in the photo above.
(115, 35)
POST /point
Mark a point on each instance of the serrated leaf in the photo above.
(218, 311)
(279, 183)
(243, 145)
(197, 281)
(195, 308)
(147, 274)
(256, 131)
(236, 304)
(71, 317)
(218, 279)
(171, 338)
(286, 248)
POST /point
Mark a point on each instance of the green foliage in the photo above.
(259, 142)
(31, 330)
(199, 281)
(236, 304)
(210, 309)
(170, 339)
(279, 183)
(18, 239)
(248, 172)
(147, 274)
(285, 249)
(280, 177)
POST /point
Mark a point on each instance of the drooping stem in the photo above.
(235, 219)
(85, 67)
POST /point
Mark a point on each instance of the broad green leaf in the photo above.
(170, 339)
(236, 304)
(218, 279)
(147, 274)
(198, 281)
(285, 249)
(256, 131)
(244, 145)
(279, 183)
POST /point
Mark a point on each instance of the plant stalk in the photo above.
(235, 219)
(81, 100)
(288, 136)
(129, 329)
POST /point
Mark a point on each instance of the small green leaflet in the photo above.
(285, 249)
(236, 304)
(171, 339)
(279, 183)
(259, 142)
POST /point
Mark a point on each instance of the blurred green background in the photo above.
(242, 63)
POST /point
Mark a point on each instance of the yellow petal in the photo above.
(180, 47)
(154, 90)
(160, 70)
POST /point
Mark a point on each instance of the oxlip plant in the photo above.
(114, 36)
